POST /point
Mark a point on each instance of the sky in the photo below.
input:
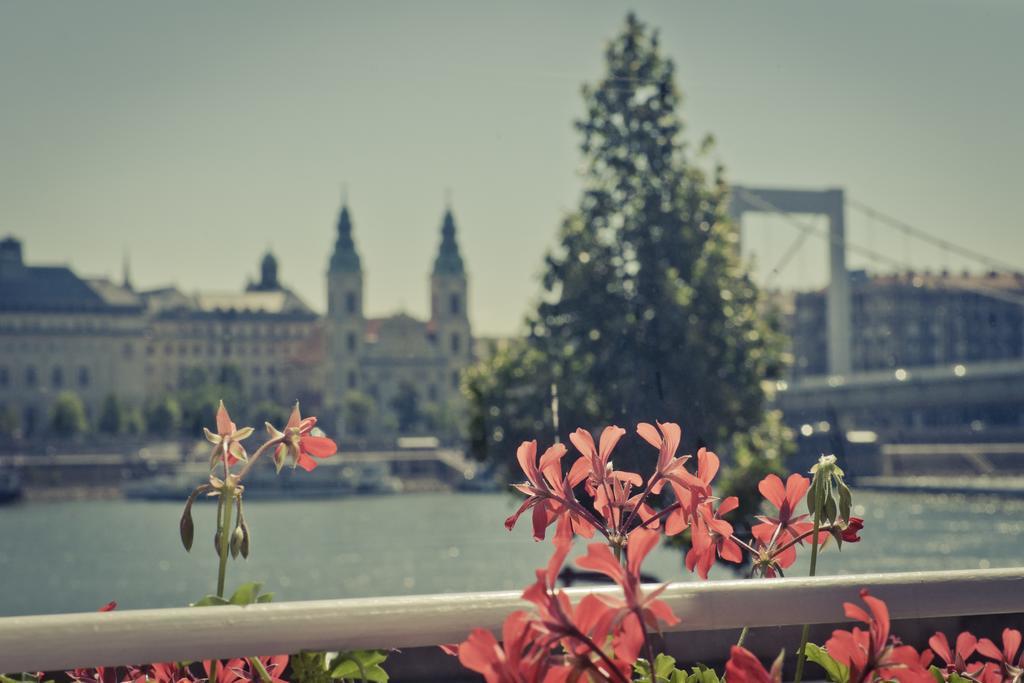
(194, 136)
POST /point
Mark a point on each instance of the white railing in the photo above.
(64, 641)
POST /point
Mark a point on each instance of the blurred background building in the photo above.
(66, 339)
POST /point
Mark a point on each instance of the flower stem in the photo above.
(819, 495)
(260, 669)
(743, 636)
(255, 456)
(225, 536)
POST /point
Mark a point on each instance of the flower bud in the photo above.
(246, 539)
(851, 534)
(236, 541)
(187, 527)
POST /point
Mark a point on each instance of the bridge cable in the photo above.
(945, 245)
(764, 205)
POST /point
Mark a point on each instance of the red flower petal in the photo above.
(319, 446)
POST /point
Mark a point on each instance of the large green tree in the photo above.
(647, 312)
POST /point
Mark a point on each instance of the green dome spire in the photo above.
(345, 258)
(449, 261)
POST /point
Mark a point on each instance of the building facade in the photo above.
(61, 332)
(916, 320)
(409, 369)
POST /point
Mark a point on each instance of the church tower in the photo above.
(346, 325)
(448, 309)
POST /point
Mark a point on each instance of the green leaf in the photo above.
(834, 670)
(246, 594)
(265, 597)
(845, 502)
(361, 664)
(664, 666)
(937, 674)
(831, 512)
(209, 601)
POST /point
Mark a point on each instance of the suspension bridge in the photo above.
(949, 401)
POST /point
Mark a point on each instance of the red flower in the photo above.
(1012, 666)
(243, 671)
(691, 497)
(787, 526)
(866, 653)
(744, 667)
(669, 467)
(636, 612)
(227, 440)
(593, 464)
(515, 660)
(299, 443)
(956, 661)
(548, 493)
(109, 607)
(712, 536)
(851, 534)
(167, 672)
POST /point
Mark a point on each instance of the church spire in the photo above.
(127, 273)
(449, 261)
(345, 258)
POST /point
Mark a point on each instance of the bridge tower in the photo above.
(832, 204)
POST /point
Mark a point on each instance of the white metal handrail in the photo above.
(64, 641)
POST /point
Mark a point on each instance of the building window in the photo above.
(30, 376)
(432, 392)
(352, 380)
(456, 343)
(57, 378)
(83, 377)
(454, 304)
(4, 377)
(455, 379)
(127, 350)
(350, 341)
(350, 302)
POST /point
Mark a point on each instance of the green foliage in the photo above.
(268, 411)
(67, 416)
(647, 311)
(134, 422)
(665, 671)
(363, 665)
(200, 394)
(246, 594)
(406, 404)
(163, 416)
(835, 671)
(357, 413)
(442, 420)
(113, 419)
(10, 422)
(323, 667)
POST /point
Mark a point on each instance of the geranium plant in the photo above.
(611, 638)
(298, 444)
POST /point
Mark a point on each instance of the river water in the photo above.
(77, 556)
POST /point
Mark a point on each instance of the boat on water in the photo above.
(326, 481)
(10, 486)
